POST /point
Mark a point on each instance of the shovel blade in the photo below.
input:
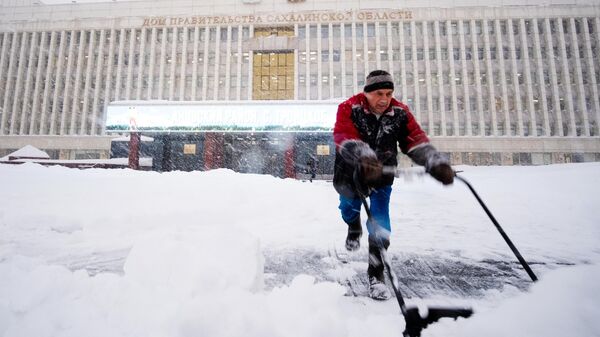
(415, 323)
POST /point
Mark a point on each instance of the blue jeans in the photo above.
(379, 224)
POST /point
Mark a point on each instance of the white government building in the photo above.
(492, 82)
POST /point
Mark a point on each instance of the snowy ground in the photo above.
(125, 253)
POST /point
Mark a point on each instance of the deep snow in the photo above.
(127, 253)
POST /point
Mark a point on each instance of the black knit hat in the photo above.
(379, 79)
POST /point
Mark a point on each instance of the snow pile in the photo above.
(181, 254)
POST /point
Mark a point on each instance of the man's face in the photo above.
(379, 100)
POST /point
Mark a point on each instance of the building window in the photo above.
(432, 54)
(515, 27)
(302, 32)
(456, 54)
(336, 31)
(336, 55)
(371, 30)
(348, 31)
(478, 29)
(359, 31)
(383, 54)
(419, 54)
(442, 26)
(324, 31)
(491, 27)
(444, 53)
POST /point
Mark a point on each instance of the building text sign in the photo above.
(290, 18)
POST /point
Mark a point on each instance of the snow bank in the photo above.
(167, 233)
(175, 284)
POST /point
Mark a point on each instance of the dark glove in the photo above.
(435, 163)
(442, 172)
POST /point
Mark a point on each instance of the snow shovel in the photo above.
(415, 323)
(499, 228)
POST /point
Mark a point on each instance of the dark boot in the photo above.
(377, 288)
(354, 234)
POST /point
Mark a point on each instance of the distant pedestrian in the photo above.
(312, 168)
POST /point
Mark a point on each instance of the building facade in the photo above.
(510, 84)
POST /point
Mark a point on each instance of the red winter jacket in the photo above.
(396, 127)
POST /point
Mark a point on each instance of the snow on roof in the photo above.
(212, 115)
(27, 151)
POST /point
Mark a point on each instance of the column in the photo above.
(173, 63)
(343, 57)
(228, 64)
(331, 73)
(250, 77)
(161, 67)
(99, 66)
(238, 92)
(76, 100)
(68, 84)
(205, 64)
(591, 70)
(130, 63)
(354, 63)
(58, 75)
(390, 49)
(118, 83)
(2, 62)
(184, 58)
(108, 84)
(490, 76)
(428, 78)
(415, 62)
(47, 84)
(566, 78)
(440, 77)
(579, 80)
(151, 69)
(500, 56)
(17, 92)
(365, 51)
(88, 80)
(217, 63)
(528, 84)
(296, 80)
(465, 78)
(37, 87)
(541, 79)
(142, 65)
(402, 61)
(95, 127)
(8, 91)
(307, 82)
(477, 76)
(455, 123)
(515, 76)
(553, 77)
(319, 64)
(195, 63)
(25, 111)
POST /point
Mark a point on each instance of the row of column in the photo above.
(38, 99)
(490, 116)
